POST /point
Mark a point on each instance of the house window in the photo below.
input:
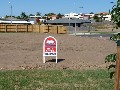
(78, 24)
(75, 15)
(74, 25)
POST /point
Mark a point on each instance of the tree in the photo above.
(111, 58)
(50, 14)
(115, 17)
(18, 17)
(59, 16)
(23, 16)
(31, 15)
(6, 16)
(96, 18)
(91, 13)
(101, 16)
(38, 14)
(115, 14)
(109, 11)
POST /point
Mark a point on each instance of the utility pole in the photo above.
(11, 11)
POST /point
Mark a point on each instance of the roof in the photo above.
(9, 19)
(31, 19)
(104, 13)
(65, 20)
(36, 16)
(15, 21)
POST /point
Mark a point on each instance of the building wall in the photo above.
(84, 16)
(72, 15)
(107, 17)
(79, 16)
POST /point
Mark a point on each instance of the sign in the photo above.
(49, 47)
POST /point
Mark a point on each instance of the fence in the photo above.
(82, 28)
(55, 29)
(90, 27)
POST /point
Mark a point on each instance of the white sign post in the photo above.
(49, 47)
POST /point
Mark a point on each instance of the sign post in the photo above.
(49, 47)
(117, 69)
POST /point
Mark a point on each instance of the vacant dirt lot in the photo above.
(25, 50)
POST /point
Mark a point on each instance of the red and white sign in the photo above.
(49, 47)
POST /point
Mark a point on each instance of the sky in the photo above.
(54, 6)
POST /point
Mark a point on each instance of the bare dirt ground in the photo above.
(25, 51)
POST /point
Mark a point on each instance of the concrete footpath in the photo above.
(97, 34)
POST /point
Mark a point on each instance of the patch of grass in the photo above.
(103, 32)
(55, 80)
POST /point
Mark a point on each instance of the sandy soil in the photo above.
(25, 51)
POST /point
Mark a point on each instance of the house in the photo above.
(35, 16)
(105, 16)
(14, 21)
(103, 13)
(30, 20)
(72, 15)
(87, 16)
(35, 19)
(79, 16)
(52, 17)
(67, 22)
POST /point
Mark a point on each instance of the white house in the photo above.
(79, 16)
(35, 16)
(107, 17)
(90, 15)
(71, 15)
(15, 21)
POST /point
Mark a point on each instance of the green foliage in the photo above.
(31, 15)
(18, 17)
(23, 16)
(96, 18)
(111, 66)
(38, 14)
(91, 13)
(59, 16)
(110, 58)
(6, 16)
(115, 37)
(101, 17)
(50, 14)
(115, 13)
